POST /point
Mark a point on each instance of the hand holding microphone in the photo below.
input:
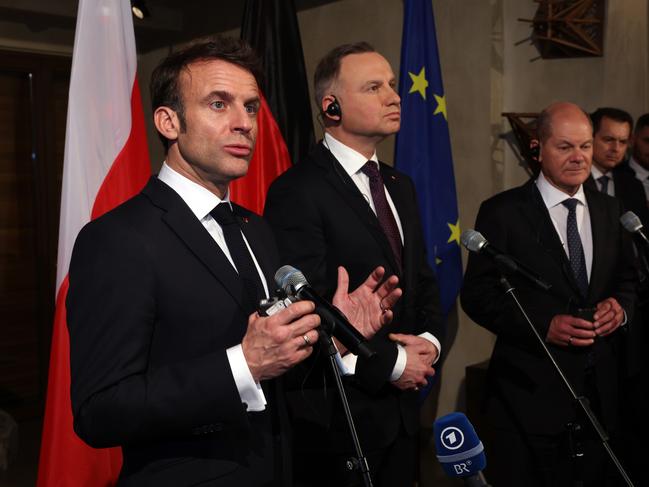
(369, 304)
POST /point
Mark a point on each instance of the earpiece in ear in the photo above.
(333, 109)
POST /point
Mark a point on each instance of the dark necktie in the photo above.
(383, 211)
(603, 184)
(575, 249)
(240, 254)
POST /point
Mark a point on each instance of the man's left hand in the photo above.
(368, 307)
(608, 317)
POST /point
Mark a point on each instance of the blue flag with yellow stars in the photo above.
(423, 146)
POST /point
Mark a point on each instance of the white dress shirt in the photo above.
(553, 197)
(201, 202)
(352, 162)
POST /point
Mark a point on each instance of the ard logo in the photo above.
(452, 438)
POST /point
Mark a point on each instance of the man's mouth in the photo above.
(238, 150)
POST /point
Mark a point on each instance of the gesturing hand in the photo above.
(368, 307)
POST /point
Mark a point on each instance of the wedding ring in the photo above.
(570, 341)
(306, 339)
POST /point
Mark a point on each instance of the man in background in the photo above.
(639, 161)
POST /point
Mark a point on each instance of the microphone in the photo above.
(459, 450)
(293, 282)
(632, 224)
(473, 241)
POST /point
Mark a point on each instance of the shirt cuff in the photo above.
(400, 364)
(431, 338)
(346, 364)
(624, 320)
(250, 391)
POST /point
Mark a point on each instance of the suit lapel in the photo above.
(180, 219)
(337, 177)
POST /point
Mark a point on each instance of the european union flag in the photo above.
(423, 147)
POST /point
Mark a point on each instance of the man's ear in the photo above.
(535, 149)
(166, 122)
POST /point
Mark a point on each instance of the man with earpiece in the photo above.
(342, 207)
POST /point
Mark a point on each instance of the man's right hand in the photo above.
(567, 330)
(274, 344)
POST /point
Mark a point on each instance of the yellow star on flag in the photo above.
(455, 232)
(419, 82)
(438, 261)
(441, 105)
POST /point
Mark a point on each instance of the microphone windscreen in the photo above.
(459, 450)
(631, 222)
(472, 240)
(288, 278)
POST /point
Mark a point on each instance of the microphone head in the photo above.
(459, 450)
(289, 279)
(631, 222)
(472, 240)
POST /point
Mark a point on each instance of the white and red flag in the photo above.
(106, 162)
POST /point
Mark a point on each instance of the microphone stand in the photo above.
(580, 400)
(359, 462)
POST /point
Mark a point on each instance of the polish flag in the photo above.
(106, 162)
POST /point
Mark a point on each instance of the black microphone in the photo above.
(474, 241)
(293, 282)
(632, 224)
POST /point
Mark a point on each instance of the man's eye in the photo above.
(252, 109)
(218, 104)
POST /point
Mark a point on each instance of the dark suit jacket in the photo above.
(523, 385)
(630, 191)
(322, 221)
(153, 305)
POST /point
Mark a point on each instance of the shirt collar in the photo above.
(640, 171)
(596, 173)
(553, 196)
(349, 159)
(199, 199)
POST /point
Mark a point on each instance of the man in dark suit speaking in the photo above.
(341, 206)
(570, 235)
(170, 359)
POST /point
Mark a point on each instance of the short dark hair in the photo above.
(615, 114)
(544, 122)
(643, 121)
(164, 87)
(328, 68)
